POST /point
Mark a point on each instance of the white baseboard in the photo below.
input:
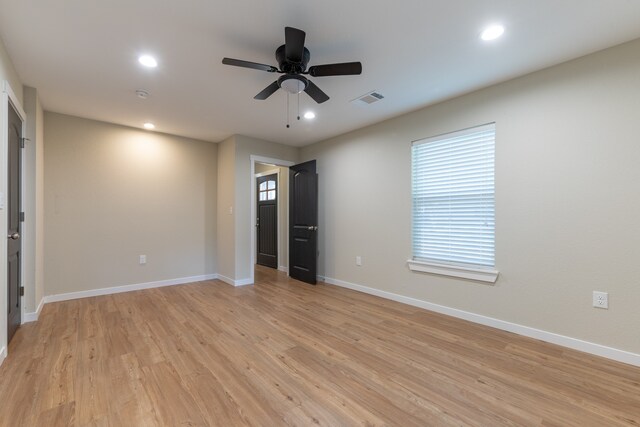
(127, 288)
(283, 268)
(33, 317)
(232, 282)
(243, 282)
(3, 354)
(550, 337)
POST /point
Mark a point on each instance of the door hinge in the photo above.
(21, 291)
(23, 141)
(21, 216)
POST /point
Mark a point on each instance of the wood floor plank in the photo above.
(171, 400)
(59, 416)
(287, 353)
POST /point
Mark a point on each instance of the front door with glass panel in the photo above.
(267, 221)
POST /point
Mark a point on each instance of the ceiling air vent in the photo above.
(368, 98)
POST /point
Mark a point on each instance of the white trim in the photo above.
(3, 354)
(243, 282)
(489, 275)
(252, 224)
(232, 282)
(550, 337)
(284, 269)
(267, 173)
(33, 317)
(271, 161)
(127, 288)
(6, 88)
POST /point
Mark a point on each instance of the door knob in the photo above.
(14, 236)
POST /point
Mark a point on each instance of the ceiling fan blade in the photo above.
(247, 64)
(343, 69)
(267, 91)
(293, 44)
(316, 93)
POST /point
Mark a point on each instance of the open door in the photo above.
(303, 222)
(13, 213)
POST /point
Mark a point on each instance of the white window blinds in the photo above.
(453, 197)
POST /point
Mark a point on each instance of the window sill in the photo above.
(488, 275)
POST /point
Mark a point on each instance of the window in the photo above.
(267, 191)
(453, 229)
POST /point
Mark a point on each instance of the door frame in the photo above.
(9, 98)
(253, 160)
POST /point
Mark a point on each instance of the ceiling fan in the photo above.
(292, 59)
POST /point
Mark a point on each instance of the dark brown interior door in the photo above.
(13, 212)
(303, 222)
(267, 221)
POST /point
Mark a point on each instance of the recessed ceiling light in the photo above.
(149, 126)
(148, 61)
(492, 32)
(309, 115)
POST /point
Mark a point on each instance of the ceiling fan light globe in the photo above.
(293, 85)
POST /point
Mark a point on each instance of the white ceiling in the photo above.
(81, 55)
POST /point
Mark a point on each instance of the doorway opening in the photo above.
(297, 226)
(262, 167)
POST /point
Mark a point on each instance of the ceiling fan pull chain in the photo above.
(287, 111)
(298, 105)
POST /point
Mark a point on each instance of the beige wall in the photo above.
(283, 211)
(113, 193)
(32, 203)
(39, 204)
(234, 202)
(567, 200)
(226, 223)
(8, 73)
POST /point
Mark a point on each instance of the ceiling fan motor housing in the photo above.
(292, 67)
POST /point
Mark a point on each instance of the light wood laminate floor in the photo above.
(287, 353)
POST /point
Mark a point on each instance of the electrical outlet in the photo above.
(359, 261)
(600, 299)
(143, 259)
